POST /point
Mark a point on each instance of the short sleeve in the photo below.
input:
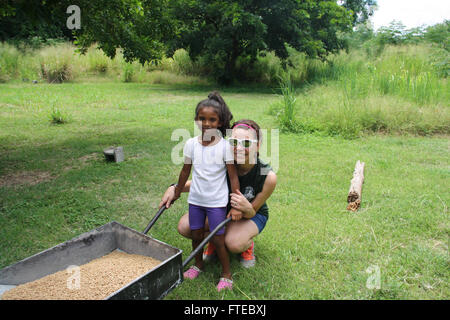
(188, 149)
(228, 154)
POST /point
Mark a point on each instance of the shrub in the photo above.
(182, 63)
(266, 69)
(56, 63)
(127, 72)
(97, 60)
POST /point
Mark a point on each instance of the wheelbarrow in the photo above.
(155, 284)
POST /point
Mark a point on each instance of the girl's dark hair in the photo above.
(251, 124)
(216, 101)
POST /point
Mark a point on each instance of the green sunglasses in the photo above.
(245, 143)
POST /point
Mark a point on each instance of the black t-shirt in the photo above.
(252, 183)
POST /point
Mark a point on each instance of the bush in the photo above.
(439, 34)
(266, 69)
(182, 63)
(56, 63)
(127, 72)
(97, 60)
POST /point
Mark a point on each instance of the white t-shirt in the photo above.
(209, 182)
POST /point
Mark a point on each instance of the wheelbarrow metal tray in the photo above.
(154, 284)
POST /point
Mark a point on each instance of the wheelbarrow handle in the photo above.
(157, 215)
(205, 241)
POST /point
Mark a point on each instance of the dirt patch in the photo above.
(438, 246)
(29, 178)
(21, 178)
(89, 157)
(82, 161)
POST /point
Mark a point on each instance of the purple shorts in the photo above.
(198, 214)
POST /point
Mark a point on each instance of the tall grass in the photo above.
(60, 63)
(57, 64)
(286, 116)
(9, 62)
(350, 94)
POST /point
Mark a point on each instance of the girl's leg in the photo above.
(215, 217)
(197, 238)
(222, 253)
(197, 215)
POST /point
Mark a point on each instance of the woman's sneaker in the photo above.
(210, 252)
(248, 259)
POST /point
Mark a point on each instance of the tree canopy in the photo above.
(223, 31)
(218, 31)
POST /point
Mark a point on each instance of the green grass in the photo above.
(312, 248)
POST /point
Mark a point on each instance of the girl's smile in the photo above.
(208, 121)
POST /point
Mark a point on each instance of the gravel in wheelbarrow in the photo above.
(161, 272)
(153, 282)
(94, 280)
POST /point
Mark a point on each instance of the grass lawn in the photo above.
(55, 185)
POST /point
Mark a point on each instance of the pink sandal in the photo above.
(192, 273)
(225, 283)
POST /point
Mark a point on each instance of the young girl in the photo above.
(211, 158)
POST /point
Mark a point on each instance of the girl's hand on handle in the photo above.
(168, 197)
(239, 202)
(236, 215)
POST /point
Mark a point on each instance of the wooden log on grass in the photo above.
(355, 192)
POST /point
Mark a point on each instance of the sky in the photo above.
(412, 13)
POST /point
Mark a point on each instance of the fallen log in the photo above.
(355, 192)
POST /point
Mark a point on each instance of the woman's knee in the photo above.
(235, 244)
(183, 226)
(239, 235)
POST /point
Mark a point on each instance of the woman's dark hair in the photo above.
(216, 101)
(250, 123)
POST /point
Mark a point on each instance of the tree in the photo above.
(218, 31)
(139, 27)
(23, 19)
(439, 34)
(360, 10)
(221, 31)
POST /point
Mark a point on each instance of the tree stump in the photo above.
(355, 192)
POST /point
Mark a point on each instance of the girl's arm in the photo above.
(184, 175)
(239, 202)
(234, 182)
(170, 194)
